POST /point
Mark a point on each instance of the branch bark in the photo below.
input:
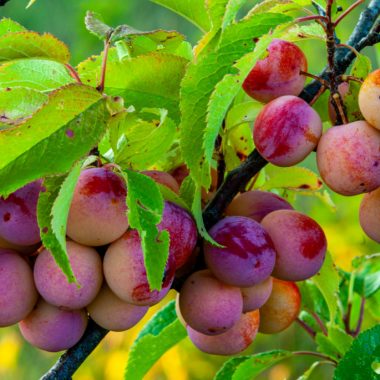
(236, 180)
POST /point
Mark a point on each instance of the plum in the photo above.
(369, 99)
(125, 272)
(369, 214)
(300, 244)
(18, 295)
(53, 285)
(163, 178)
(18, 219)
(98, 209)
(287, 130)
(233, 341)
(255, 296)
(208, 305)
(182, 230)
(348, 158)
(257, 204)
(53, 329)
(112, 313)
(247, 256)
(278, 73)
(281, 309)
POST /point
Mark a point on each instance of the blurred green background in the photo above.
(64, 19)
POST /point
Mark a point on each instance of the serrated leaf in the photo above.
(292, 178)
(171, 196)
(198, 86)
(161, 333)
(145, 207)
(54, 195)
(9, 26)
(327, 280)
(151, 80)
(312, 31)
(39, 74)
(279, 6)
(70, 123)
(241, 140)
(247, 367)
(326, 346)
(242, 113)
(216, 10)
(358, 362)
(32, 45)
(340, 339)
(372, 284)
(193, 10)
(17, 104)
(96, 26)
(232, 9)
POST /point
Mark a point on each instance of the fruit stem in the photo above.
(338, 102)
(347, 78)
(316, 354)
(317, 95)
(307, 328)
(347, 12)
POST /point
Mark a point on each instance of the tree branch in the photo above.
(236, 180)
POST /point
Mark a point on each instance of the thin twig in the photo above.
(316, 77)
(107, 44)
(316, 354)
(356, 332)
(347, 12)
(318, 95)
(312, 18)
(319, 322)
(347, 317)
(73, 73)
(307, 328)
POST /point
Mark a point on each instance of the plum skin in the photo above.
(277, 74)
(18, 295)
(98, 209)
(248, 256)
(112, 313)
(301, 256)
(125, 272)
(257, 204)
(52, 329)
(163, 178)
(255, 296)
(53, 285)
(286, 131)
(18, 215)
(281, 309)
(209, 306)
(368, 98)
(233, 341)
(369, 215)
(348, 158)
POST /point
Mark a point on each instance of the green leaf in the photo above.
(171, 196)
(7, 26)
(232, 9)
(39, 74)
(57, 197)
(243, 113)
(310, 371)
(341, 340)
(70, 123)
(161, 333)
(145, 207)
(32, 45)
(151, 80)
(96, 26)
(198, 87)
(279, 6)
(247, 367)
(358, 363)
(193, 10)
(293, 178)
(327, 281)
(18, 103)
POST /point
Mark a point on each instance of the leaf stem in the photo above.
(320, 322)
(307, 328)
(312, 18)
(316, 354)
(73, 73)
(107, 44)
(356, 332)
(347, 12)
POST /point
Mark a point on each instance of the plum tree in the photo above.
(369, 214)
(233, 341)
(132, 285)
(182, 230)
(98, 210)
(257, 204)
(247, 256)
(209, 306)
(112, 313)
(287, 130)
(53, 329)
(255, 296)
(18, 220)
(301, 256)
(281, 309)
(368, 98)
(54, 286)
(348, 158)
(163, 178)
(278, 74)
(18, 295)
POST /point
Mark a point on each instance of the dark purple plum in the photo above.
(257, 204)
(98, 210)
(247, 256)
(233, 341)
(208, 305)
(255, 296)
(300, 244)
(18, 220)
(125, 272)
